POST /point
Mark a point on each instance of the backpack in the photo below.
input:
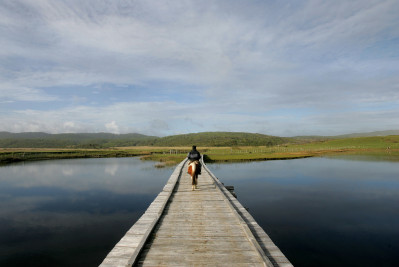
(194, 155)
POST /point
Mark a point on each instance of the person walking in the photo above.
(194, 156)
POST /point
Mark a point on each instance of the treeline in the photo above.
(70, 140)
(218, 139)
(106, 140)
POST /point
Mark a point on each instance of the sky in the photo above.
(161, 68)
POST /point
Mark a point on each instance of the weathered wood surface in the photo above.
(127, 249)
(205, 227)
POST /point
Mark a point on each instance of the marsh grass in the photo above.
(16, 155)
(383, 147)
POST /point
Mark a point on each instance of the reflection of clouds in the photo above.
(67, 172)
(314, 174)
(117, 175)
(69, 220)
(111, 169)
(62, 206)
(10, 205)
(31, 207)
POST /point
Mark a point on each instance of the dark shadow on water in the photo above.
(323, 212)
(72, 212)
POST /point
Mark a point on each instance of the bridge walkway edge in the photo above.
(263, 241)
(126, 251)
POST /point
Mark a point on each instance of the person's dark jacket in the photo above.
(194, 155)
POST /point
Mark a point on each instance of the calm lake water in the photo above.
(72, 212)
(323, 212)
(319, 211)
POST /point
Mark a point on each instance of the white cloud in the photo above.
(10, 93)
(159, 119)
(250, 62)
(112, 127)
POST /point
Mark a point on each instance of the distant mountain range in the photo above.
(220, 139)
(377, 133)
(105, 140)
(74, 140)
(352, 135)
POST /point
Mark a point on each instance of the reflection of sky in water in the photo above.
(80, 175)
(323, 212)
(72, 212)
(320, 212)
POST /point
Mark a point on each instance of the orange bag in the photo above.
(190, 169)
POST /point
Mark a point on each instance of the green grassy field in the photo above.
(16, 155)
(375, 142)
(386, 146)
(383, 147)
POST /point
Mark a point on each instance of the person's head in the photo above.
(194, 147)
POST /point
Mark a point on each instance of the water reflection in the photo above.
(323, 212)
(134, 176)
(320, 212)
(387, 155)
(71, 212)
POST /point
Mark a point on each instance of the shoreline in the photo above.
(164, 156)
(9, 157)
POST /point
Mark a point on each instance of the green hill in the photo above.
(75, 140)
(220, 139)
(104, 140)
(211, 139)
(312, 138)
(369, 134)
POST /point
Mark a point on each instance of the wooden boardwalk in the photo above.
(205, 227)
